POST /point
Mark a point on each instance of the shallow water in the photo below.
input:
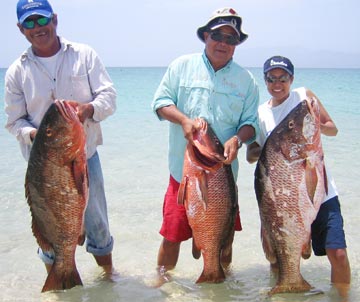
(134, 159)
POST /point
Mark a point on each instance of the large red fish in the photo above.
(290, 185)
(209, 193)
(56, 188)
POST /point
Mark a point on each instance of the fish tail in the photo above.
(212, 277)
(196, 252)
(65, 280)
(299, 287)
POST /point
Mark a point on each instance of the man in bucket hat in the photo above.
(212, 86)
(54, 68)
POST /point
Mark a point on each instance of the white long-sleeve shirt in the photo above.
(79, 75)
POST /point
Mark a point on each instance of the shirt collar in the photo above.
(209, 66)
(28, 54)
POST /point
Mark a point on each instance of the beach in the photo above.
(134, 161)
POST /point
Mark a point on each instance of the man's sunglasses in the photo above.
(229, 39)
(283, 79)
(41, 21)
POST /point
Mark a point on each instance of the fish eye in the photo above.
(291, 124)
(48, 132)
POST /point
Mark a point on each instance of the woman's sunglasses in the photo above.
(283, 79)
(41, 21)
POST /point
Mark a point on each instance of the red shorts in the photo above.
(175, 226)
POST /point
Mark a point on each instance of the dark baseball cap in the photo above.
(279, 62)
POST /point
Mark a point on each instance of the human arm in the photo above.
(249, 116)
(93, 89)
(253, 152)
(16, 108)
(327, 125)
(95, 97)
(248, 121)
(231, 146)
(172, 114)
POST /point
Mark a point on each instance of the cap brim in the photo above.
(39, 12)
(221, 25)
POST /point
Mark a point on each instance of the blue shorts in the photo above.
(99, 242)
(327, 231)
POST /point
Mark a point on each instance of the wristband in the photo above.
(239, 141)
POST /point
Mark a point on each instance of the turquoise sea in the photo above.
(134, 160)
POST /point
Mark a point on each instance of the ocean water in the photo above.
(134, 160)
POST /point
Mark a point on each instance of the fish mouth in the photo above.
(66, 110)
(208, 159)
(206, 147)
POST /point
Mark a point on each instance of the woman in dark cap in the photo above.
(327, 232)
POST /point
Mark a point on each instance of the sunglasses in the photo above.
(283, 79)
(229, 39)
(41, 21)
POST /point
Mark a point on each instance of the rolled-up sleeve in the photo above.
(103, 90)
(166, 93)
(250, 115)
(15, 107)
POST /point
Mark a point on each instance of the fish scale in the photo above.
(208, 192)
(290, 185)
(56, 188)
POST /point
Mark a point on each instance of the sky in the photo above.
(147, 33)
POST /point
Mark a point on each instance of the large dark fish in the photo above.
(290, 185)
(56, 187)
(209, 193)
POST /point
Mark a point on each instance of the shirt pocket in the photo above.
(81, 90)
(195, 98)
(229, 108)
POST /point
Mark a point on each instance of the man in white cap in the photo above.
(54, 68)
(212, 86)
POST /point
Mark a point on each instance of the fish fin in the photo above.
(27, 191)
(301, 285)
(203, 186)
(226, 252)
(80, 175)
(213, 277)
(81, 239)
(182, 191)
(196, 252)
(56, 281)
(267, 247)
(326, 181)
(311, 179)
(41, 240)
(306, 250)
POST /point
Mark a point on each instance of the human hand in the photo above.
(33, 134)
(230, 150)
(189, 128)
(84, 111)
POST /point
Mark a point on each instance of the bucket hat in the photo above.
(226, 16)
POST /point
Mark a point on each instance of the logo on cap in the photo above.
(272, 63)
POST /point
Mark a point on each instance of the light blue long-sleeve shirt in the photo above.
(228, 99)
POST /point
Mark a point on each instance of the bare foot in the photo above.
(162, 276)
(343, 290)
(110, 273)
